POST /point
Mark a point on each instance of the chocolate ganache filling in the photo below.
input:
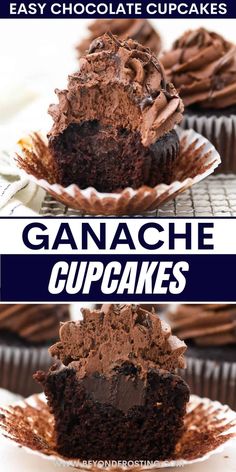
(116, 395)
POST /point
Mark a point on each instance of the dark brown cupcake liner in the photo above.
(213, 379)
(17, 366)
(209, 426)
(197, 159)
(221, 132)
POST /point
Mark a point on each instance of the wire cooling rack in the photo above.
(214, 196)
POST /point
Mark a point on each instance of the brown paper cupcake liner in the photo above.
(197, 159)
(17, 366)
(221, 131)
(212, 379)
(209, 427)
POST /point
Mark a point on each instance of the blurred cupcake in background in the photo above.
(138, 30)
(26, 332)
(202, 66)
(210, 334)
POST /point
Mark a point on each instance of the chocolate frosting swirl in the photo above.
(33, 323)
(202, 66)
(116, 335)
(122, 85)
(138, 29)
(205, 325)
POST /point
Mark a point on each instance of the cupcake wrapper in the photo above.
(209, 425)
(221, 131)
(17, 366)
(215, 380)
(198, 159)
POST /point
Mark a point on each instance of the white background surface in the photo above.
(15, 459)
(44, 48)
(36, 56)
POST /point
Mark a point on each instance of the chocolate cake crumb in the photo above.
(31, 425)
(92, 155)
(117, 418)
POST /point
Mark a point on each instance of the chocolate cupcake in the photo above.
(210, 334)
(139, 30)
(26, 332)
(116, 395)
(202, 66)
(113, 126)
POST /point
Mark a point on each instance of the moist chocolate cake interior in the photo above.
(88, 427)
(88, 153)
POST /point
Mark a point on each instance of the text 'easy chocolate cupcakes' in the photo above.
(202, 66)
(113, 126)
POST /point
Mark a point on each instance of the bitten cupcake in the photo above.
(26, 331)
(140, 30)
(202, 66)
(113, 126)
(210, 334)
(116, 396)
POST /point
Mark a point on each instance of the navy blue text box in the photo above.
(211, 278)
(47, 12)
